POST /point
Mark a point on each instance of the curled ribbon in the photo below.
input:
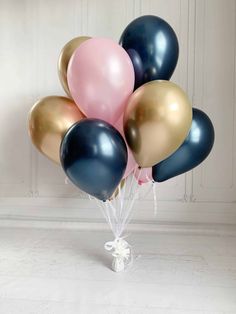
(121, 252)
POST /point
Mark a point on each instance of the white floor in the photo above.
(67, 271)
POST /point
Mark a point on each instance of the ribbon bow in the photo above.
(120, 246)
(121, 252)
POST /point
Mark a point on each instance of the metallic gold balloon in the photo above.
(64, 58)
(49, 120)
(156, 121)
(117, 191)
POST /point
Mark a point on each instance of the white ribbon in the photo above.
(121, 253)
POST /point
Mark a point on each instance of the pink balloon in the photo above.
(101, 78)
(131, 163)
(143, 175)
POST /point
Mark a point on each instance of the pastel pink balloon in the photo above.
(143, 175)
(131, 163)
(101, 78)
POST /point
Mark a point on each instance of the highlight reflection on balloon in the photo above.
(101, 79)
(49, 120)
(196, 147)
(156, 121)
(94, 157)
(153, 48)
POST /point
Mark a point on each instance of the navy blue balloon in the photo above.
(138, 67)
(191, 153)
(153, 48)
(94, 157)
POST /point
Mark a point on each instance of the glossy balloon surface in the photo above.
(153, 48)
(49, 120)
(191, 153)
(64, 58)
(131, 163)
(94, 157)
(157, 120)
(101, 79)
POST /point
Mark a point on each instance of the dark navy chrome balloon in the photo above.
(152, 46)
(138, 67)
(94, 157)
(191, 153)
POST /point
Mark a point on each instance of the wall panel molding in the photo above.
(34, 33)
(214, 92)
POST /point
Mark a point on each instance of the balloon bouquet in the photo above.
(124, 123)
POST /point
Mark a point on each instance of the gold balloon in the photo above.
(49, 120)
(156, 121)
(64, 58)
(117, 191)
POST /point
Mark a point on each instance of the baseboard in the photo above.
(77, 210)
(78, 213)
(179, 228)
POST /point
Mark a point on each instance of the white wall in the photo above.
(31, 36)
